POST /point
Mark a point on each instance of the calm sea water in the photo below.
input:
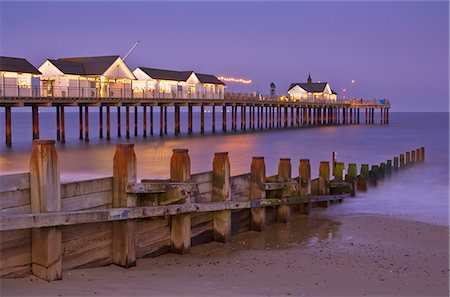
(421, 192)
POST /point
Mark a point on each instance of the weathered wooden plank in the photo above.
(15, 253)
(14, 182)
(14, 198)
(74, 232)
(200, 218)
(87, 201)
(15, 222)
(240, 187)
(204, 177)
(97, 254)
(86, 187)
(15, 271)
(24, 209)
(240, 221)
(154, 249)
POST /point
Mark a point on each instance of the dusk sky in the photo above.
(394, 50)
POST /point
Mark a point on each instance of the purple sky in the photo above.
(395, 50)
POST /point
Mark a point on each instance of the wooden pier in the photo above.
(254, 114)
(47, 227)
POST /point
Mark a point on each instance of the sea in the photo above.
(417, 193)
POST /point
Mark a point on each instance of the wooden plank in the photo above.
(86, 187)
(15, 222)
(200, 218)
(240, 221)
(204, 177)
(14, 198)
(18, 210)
(240, 187)
(14, 182)
(92, 255)
(87, 201)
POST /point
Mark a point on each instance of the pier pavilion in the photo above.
(311, 90)
(16, 77)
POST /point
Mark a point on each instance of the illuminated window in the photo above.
(191, 89)
(23, 82)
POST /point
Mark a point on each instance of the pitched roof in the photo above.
(17, 65)
(166, 74)
(208, 79)
(310, 87)
(85, 65)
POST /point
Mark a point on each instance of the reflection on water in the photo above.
(420, 192)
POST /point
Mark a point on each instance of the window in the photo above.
(191, 89)
(180, 88)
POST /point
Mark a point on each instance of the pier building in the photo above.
(311, 90)
(16, 77)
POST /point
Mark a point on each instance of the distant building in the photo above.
(311, 90)
(160, 83)
(15, 77)
(101, 77)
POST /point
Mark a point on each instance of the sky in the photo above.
(393, 50)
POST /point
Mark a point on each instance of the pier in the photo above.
(243, 111)
(47, 227)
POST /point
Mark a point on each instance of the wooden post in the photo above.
(388, 167)
(221, 192)
(80, 118)
(363, 178)
(373, 174)
(284, 175)
(108, 123)
(422, 154)
(8, 125)
(124, 232)
(45, 195)
(381, 170)
(190, 119)
(161, 120)
(402, 160)
(324, 182)
(63, 125)
(352, 176)
(165, 119)
(338, 171)
(180, 229)
(144, 121)
(100, 121)
(305, 184)
(413, 157)
(213, 120)
(224, 118)
(258, 177)
(58, 124)
(202, 119)
(135, 121)
(408, 159)
(127, 121)
(86, 123)
(151, 120)
(396, 163)
(119, 129)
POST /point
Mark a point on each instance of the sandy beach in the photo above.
(357, 255)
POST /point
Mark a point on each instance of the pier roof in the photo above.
(85, 65)
(163, 74)
(11, 64)
(312, 87)
(209, 79)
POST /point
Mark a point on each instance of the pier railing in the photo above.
(47, 227)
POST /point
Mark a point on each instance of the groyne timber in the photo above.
(247, 113)
(48, 227)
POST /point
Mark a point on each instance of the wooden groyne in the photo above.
(48, 227)
(246, 114)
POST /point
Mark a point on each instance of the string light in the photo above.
(235, 80)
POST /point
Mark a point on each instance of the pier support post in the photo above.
(100, 121)
(165, 119)
(45, 195)
(408, 159)
(180, 229)
(202, 119)
(119, 129)
(224, 118)
(86, 123)
(284, 175)
(309, 116)
(221, 192)
(233, 118)
(108, 123)
(127, 121)
(363, 177)
(124, 232)
(304, 181)
(285, 117)
(257, 178)
(324, 182)
(213, 120)
(144, 121)
(58, 124)
(161, 120)
(151, 120)
(135, 121)
(8, 125)
(63, 125)
(80, 118)
(190, 119)
(402, 160)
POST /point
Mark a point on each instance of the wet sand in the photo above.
(357, 255)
